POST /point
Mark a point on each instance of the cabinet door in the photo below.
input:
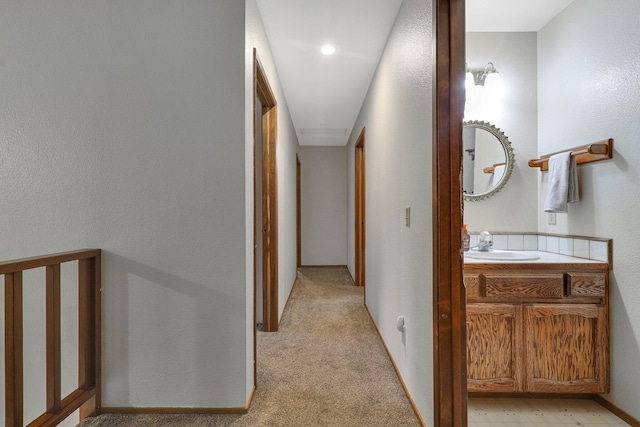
(566, 348)
(494, 347)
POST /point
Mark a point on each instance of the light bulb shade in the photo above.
(474, 100)
(469, 82)
(493, 83)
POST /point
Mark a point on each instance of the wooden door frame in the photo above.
(269, 182)
(449, 333)
(360, 208)
(298, 212)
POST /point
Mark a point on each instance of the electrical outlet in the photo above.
(551, 218)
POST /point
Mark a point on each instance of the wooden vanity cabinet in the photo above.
(537, 328)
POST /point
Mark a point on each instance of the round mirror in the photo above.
(487, 160)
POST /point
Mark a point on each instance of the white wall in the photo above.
(397, 113)
(286, 149)
(122, 128)
(514, 56)
(588, 90)
(323, 173)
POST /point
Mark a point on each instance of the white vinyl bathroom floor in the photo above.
(498, 412)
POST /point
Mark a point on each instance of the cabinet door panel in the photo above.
(494, 347)
(566, 348)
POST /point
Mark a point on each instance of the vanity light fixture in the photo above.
(487, 76)
(484, 91)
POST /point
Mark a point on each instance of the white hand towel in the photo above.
(563, 183)
(498, 171)
(573, 194)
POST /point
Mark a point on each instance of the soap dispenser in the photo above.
(485, 242)
(465, 238)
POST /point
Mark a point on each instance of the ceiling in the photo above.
(325, 93)
(511, 15)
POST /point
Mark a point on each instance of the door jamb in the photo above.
(262, 91)
(360, 208)
(298, 213)
(450, 397)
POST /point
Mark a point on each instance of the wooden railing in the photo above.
(86, 397)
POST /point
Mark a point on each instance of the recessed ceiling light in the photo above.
(328, 49)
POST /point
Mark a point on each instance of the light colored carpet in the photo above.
(325, 367)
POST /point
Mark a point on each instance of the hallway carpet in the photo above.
(325, 367)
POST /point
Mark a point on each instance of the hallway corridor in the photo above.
(325, 367)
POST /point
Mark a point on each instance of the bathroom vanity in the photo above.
(537, 326)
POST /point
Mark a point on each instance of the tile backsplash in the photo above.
(581, 247)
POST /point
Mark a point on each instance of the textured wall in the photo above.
(122, 128)
(514, 56)
(324, 205)
(588, 90)
(397, 114)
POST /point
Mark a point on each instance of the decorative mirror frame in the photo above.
(511, 160)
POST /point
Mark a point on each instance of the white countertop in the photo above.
(544, 258)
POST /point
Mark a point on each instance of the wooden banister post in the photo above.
(86, 342)
(54, 369)
(14, 399)
(90, 305)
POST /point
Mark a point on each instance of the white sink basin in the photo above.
(497, 255)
